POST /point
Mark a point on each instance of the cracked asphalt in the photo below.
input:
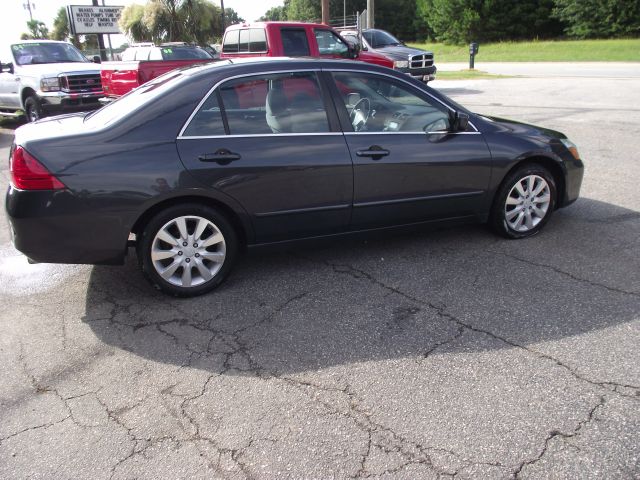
(450, 353)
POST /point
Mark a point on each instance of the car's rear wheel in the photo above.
(32, 109)
(524, 203)
(187, 250)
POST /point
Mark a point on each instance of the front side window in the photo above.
(294, 42)
(329, 43)
(263, 104)
(377, 103)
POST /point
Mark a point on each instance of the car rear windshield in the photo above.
(134, 100)
(183, 53)
(37, 53)
(245, 40)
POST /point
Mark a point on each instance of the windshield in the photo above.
(184, 53)
(380, 38)
(36, 53)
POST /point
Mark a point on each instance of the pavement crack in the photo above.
(566, 274)
(559, 434)
(441, 311)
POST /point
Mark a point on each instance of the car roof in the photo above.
(24, 42)
(286, 63)
(276, 24)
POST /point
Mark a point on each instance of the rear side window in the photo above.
(294, 42)
(246, 40)
(208, 121)
(263, 104)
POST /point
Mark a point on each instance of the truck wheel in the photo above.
(32, 109)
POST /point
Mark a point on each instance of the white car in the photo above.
(42, 77)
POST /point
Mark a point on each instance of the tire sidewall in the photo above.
(32, 103)
(159, 220)
(498, 220)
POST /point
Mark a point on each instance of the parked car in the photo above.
(204, 161)
(292, 39)
(140, 63)
(43, 77)
(412, 61)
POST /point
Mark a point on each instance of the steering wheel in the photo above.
(360, 114)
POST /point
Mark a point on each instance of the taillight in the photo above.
(29, 174)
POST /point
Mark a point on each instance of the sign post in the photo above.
(94, 19)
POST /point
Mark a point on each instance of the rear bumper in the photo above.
(47, 227)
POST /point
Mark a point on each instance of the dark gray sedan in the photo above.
(200, 163)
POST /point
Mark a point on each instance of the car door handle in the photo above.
(222, 156)
(374, 151)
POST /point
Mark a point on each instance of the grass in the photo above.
(467, 75)
(624, 50)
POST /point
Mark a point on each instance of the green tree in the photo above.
(599, 18)
(462, 21)
(132, 25)
(275, 14)
(175, 21)
(37, 30)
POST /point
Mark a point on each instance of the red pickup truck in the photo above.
(299, 39)
(140, 63)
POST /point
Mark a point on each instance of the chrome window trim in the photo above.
(412, 133)
(212, 89)
(259, 135)
(315, 70)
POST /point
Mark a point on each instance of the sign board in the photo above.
(90, 19)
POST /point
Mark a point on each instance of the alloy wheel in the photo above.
(527, 203)
(188, 251)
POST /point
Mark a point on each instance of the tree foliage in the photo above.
(599, 18)
(37, 30)
(198, 21)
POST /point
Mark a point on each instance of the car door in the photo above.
(269, 142)
(9, 82)
(408, 164)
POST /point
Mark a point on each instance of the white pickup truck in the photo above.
(43, 77)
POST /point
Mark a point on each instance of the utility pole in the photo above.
(223, 22)
(103, 51)
(28, 6)
(325, 12)
(370, 14)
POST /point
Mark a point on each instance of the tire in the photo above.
(32, 109)
(166, 254)
(524, 202)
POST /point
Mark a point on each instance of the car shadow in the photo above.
(347, 302)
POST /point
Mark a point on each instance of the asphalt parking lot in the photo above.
(435, 354)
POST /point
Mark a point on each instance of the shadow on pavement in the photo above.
(308, 309)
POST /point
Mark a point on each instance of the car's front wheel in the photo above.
(187, 250)
(32, 109)
(524, 203)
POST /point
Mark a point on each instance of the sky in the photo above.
(15, 15)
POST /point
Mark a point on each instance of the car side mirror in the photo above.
(354, 49)
(96, 59)
(460, 122)
(8, 67)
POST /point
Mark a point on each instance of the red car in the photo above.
(140, 63)
(292, 39)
